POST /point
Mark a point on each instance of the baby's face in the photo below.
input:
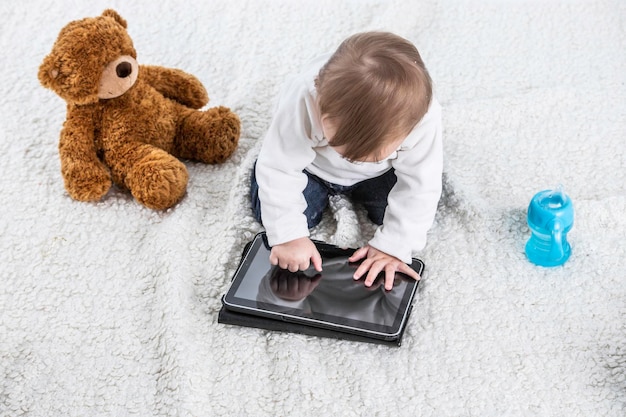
(383, 153)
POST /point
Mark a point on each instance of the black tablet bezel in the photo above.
(343, 324)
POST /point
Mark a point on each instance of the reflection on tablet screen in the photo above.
(332, 292)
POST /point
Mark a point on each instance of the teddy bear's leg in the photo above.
(155, 178)
(86, 181)
(209, 136)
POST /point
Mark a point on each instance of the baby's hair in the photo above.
(373, 89)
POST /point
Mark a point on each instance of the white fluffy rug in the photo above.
(110, 309)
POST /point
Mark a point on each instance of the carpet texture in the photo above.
(110, 309)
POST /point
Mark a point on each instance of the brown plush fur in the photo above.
(134, 138)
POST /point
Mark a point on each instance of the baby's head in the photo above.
(372, 92)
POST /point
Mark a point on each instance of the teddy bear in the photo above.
(126, 123)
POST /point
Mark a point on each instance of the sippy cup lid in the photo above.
(549, 205)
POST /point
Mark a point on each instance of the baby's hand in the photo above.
(296, 255)
(377, 261)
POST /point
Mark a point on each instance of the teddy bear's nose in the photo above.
(124, 69)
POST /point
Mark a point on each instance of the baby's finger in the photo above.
(316, 259)
(359, 254)
(362, 269)
(390, 276)
(372, 275)
(303, 265)
(407, 270)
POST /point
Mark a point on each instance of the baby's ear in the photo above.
(115, 15)
(48, 72)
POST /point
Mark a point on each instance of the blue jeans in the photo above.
(371, 194)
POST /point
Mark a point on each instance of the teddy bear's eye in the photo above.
(124, 69)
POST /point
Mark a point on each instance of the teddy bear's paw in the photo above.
(208, 136)
(158, 181)
(223, 133)
(86, 183)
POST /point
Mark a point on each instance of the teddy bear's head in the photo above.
(92, 59)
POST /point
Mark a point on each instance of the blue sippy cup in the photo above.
(550, 217)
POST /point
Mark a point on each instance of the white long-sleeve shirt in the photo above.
(295, 142)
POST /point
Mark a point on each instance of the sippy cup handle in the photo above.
(557, 251)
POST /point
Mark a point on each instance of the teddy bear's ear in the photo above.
(119, 19)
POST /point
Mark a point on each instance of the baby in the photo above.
(360, 122)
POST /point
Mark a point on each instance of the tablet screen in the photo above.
(331, 298)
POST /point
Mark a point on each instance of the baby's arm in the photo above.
(412, 202)
(287, 150)
(296, 255)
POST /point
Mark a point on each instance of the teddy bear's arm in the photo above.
(85, 176)
(176, 85)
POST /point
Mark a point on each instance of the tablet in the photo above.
(330, 299)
